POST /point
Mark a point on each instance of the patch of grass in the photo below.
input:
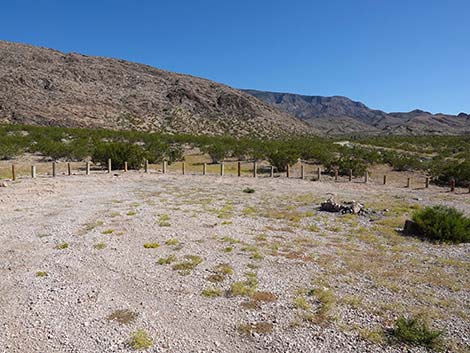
(211, 292)
(224, 269)
(62, 246)
(263, 297)
(302, 303)
(166, 260)
(228, 249)
(131, 213)
(190, 262)
(260, 328)
(41, 274)
(215, 278)
(90, 226)
(375, 335)
(122, 316)
(151, 245)
(172, 242)
(327, 300)
(248, 190)
(415, 331)
(249, 211)
(230, 240)
(164, 220)
(107, 231)
(100, 246)
(251, 305)
(245, 288)
(140, 340)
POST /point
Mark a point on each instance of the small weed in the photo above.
(248, 190)
(107, 231)
(211, 292)
(172, 242)
(122, 317)
(131, 213)
(41, 274)
(251, 305)
(62, 246)
(215, 278)
(166, 260)
(376, 335)
(228, 249)
(140, 340)
(230, 240)
(164, 221)
(100, 246)
(151, 245)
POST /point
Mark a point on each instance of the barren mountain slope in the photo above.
(46, 87)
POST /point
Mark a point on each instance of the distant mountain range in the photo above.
(46, 87)
(337, 115)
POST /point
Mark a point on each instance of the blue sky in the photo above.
(393, 55)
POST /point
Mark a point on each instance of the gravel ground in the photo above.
(61, 298)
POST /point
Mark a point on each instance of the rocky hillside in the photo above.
(335, 115)
(46, 87)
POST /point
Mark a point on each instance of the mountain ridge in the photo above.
(339, 114)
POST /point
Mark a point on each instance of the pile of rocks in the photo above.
(352, 207)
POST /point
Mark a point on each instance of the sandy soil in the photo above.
(73, 255)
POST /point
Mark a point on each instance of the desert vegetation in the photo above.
(442, 157)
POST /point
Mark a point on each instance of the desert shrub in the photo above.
(344, 164)
(119, 152)
(445, 171)
(217, 151)
(282, 156)
(415, 331)
(443, 224)
(140, 340)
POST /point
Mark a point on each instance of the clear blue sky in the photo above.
(394, 55)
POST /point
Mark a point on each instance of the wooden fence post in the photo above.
(69, 169)
(271, 171)
(54, 171)
(385, 179)
(239, 168)
(288, 171)
(13, 172)
(350, 174)
(183, 168)
(164, 167)
(336, 174)
(319, 174)
(109, 165)
(302, 172)
(146, 166)
(452, 185)
(426, 183)
(125, 166)
(255, 170)
(87, 168)
(33, 171)
(366, 177)
(204, 169)
(222, 169)
(408, 182)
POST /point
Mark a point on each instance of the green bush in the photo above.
(415, 331)
(119, 152)
(281, 158)
(443, 224)
(445, 171)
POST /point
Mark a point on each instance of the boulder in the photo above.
(352, 207)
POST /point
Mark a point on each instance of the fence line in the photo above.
(254, 170)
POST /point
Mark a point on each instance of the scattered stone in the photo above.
(352, 207)
(3, 185)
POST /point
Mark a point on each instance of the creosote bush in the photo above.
(443, 224)
(119, 152)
